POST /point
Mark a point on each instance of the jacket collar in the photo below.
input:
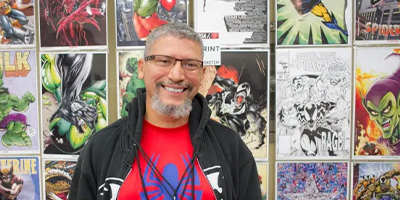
(197, 119)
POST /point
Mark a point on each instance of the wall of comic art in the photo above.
(311, 86)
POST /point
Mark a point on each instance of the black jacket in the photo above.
(108, 156)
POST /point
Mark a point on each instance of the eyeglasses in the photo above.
(188, 65)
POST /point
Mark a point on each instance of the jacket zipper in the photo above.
(201, 169)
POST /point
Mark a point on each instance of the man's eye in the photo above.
(374, 112)
(163, 61)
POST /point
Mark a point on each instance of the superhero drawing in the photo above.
(377, 102)
(73, 23)
(135, 19)
(376, 181)
(18, 102)
(376, 21)
(313, 101)
(238, 97)
(305, 181)
(57, 178)
(128, 80)
(238, 23)
(262, 169)
(73, 100)
(19, 178)
(313, 22)
(17, 22)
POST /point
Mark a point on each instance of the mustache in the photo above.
(189, 86)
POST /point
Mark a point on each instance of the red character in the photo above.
(10, 184)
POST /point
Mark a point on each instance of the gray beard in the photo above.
(174, 111)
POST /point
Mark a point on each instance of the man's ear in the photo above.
(141, 68)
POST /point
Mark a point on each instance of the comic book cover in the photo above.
(19, 124)
(244, 23)
(135, 18)
(313, 22)
(128, 80)
(238, 97)
(77, 23)
(19, 178)
(17, 25)
(313, 101)
(312, 180)
(377, 100)
(74, 104)
(377, 21)
(263, 178)
(57, 177)
(376, 181)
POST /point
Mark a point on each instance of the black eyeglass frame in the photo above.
(152, 57)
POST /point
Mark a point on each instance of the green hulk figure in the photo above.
(80, 112)
(15, 124)
(133, 84)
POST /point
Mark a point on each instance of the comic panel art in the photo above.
(376, 118)
(377, 21)
(376, 181)
(135, 18)
(313, 101)
(307, 180)
(128, 80)
(238, 97)
(57, 177)
(19, 124)
(243, 23)
(78, 23)
(313, 22)
(74, 105)
(263, 178)
(17, 27)
(19, 178)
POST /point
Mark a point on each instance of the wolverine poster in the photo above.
(313, 22)
(376, 118)
(74, 99)
(238, 96)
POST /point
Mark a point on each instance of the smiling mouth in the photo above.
(176, 90)
(386, 124)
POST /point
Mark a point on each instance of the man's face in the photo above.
(173, 85)
(298, 6)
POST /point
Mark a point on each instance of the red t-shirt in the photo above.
(171, 150)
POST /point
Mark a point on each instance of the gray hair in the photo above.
(179, 30)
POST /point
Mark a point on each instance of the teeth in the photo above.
(173, 89)
(386, 124)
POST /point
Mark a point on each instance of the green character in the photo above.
(15, 124)
(133, 84)
(81, 111)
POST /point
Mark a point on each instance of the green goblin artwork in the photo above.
(382, 102)
(133, 84)
(81, 109)
(14, 124)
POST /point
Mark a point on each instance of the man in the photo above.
(168, 147)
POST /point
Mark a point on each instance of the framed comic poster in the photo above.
(74, 99)
(313, 101)
(19, 178)
(317, 22)
(375, 180)
(128, 81)
(312, 180)
(57, 178)
(17, 23)
(376, 118)
(376, 22)
(19, 123)
(238, 96)
(66, 24)
(262, 169)
(239, 23)
(135, 19)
